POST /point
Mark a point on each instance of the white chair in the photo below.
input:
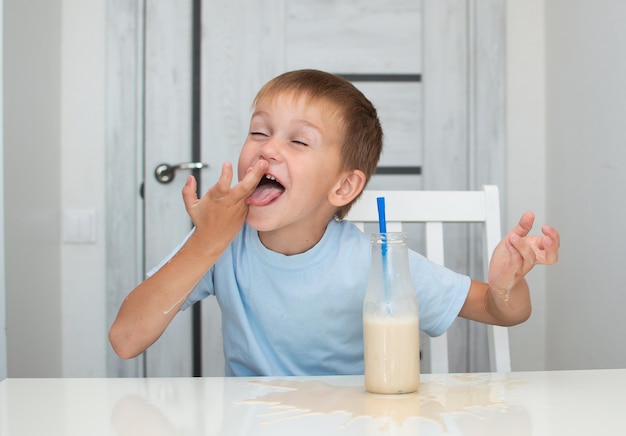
(434, 208)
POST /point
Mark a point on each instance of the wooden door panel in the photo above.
(167, 139)
(354, 36)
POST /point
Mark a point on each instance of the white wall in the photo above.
(586, 181)
(33, 186)
(526, 160)
(54, 155)
(83, 307)
(567, 161)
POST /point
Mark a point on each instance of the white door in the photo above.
(167, 140)
(412, 58)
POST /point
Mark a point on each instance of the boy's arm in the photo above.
(505, 300)
(217, 216)
(485, 305)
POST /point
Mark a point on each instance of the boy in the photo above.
(288, 274)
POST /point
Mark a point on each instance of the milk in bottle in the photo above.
(390, 319)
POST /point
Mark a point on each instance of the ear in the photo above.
(347, 188)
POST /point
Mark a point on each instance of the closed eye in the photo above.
(300, 143)
(258, 134)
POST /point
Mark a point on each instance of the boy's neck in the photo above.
(290, 241)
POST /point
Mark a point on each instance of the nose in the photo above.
(271, 149)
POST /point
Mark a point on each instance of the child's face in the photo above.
(301, 141)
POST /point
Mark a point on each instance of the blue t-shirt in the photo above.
(302, 314)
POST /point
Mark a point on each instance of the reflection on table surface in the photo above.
(524, 403)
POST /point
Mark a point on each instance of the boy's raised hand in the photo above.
(519, 252)
(221, 211)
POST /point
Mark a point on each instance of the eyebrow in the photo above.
(306, 123)
(301, 122)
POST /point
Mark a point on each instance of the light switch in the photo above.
(79, 226)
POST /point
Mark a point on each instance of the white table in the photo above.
(519, 403)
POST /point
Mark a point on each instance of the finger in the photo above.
(189, 193)
(553, 234)
(550, 242)
(525, 224)
(221, 188)
(248, 184)
(548, 246)
(527, 257)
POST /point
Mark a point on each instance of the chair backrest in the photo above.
(434, 208)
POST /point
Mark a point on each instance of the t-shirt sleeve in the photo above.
(441, 293)
(203, 289)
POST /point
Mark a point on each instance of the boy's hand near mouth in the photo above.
(222, 210)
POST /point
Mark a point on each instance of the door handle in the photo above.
(164, 173)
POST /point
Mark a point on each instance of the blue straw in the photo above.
(382, 226)
(382, 221)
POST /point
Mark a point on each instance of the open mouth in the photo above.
(268, 190)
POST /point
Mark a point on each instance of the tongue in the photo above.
(264, 194)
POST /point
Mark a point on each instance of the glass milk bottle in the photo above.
(390, 319)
